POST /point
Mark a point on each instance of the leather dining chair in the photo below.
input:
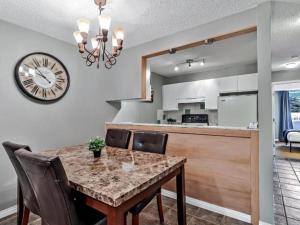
(26, 199)
(153, 142)
(118, 138)
(57, 201)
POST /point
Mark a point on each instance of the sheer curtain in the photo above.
(285, 119)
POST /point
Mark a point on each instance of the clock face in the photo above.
(42, 77)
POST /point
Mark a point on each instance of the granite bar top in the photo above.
(183, 126)
(118, 175)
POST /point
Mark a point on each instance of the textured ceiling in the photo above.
(143, 20)
(285, 34)
(223, 54)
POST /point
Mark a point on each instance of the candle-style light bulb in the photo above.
(104, 22)
(119, 33)
(95, 43)
(83, 25)
(78, 37)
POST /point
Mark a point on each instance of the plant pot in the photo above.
(97, 154)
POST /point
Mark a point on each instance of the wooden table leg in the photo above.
(115, 217)
(180, 188)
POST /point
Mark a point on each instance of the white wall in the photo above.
(286, 75)
(264, 12)
(142, 112)
(73, 120)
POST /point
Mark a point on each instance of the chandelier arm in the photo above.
(90, 57)
(89, 52)
(110, 57)
(107, 65)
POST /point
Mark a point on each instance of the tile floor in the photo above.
(286, 177)
(195, 216)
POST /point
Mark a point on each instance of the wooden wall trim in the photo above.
(183, 47)
(254, 178)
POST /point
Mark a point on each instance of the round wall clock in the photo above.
(42, 77)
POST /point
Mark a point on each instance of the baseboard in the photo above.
(192, 201)
(214, 208)
(7, 212)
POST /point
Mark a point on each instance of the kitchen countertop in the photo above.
(182, 126)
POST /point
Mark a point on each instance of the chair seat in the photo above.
(90, 216)
(141, 205)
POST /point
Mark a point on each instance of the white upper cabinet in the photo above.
(211, 92)
(170, 96)
(248, 82)
(190, 90)
(208, 90)
(228, 84)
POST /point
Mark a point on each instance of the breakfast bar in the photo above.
(222, 166)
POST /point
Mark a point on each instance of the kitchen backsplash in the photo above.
(193, 108)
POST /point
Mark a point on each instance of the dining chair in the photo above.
(118, 138)
(26, 199)
(57, 201)
(153, 142)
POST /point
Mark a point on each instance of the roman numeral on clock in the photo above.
(36, 62)
(58, 72)
(45, 62)
(60, 80)
(58, 87)
(44, 93)
(53, 92)
(28, 82)
(35, 90)
(53, 66)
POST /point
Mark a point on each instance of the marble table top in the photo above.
(118, 175)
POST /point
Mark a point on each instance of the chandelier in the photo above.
(99, 50)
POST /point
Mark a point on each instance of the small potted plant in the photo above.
(96, 145)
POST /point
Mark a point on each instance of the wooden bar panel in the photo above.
(215, 173)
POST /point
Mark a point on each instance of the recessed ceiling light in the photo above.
(292, 65)
(176, 68)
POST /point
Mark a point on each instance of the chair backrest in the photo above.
(118, 138)
(154, 142)
(28, 195)
(50, 184)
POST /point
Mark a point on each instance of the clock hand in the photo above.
(42, 75)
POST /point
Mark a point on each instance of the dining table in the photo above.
(120, 178)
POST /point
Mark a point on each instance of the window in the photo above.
(295, 105)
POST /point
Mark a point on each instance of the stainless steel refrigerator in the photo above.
(237, 110)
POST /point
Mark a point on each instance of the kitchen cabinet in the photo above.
(228, 84)
(248, 82)
(170, 96)
(206, 90)
(190, 90)
(210, 92)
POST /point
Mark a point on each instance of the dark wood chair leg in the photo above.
(125, 218)
(290, 146)
(25, 219)
(135, 219)
(159, 207)
(20, 209)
